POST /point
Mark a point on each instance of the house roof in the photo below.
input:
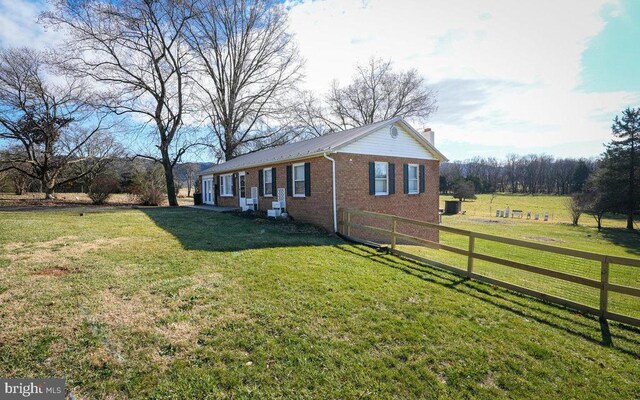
(328, 143)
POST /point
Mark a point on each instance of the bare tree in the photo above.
(190, 174)
(376, 93)
(95, 157)
(135, 50)
(11, 177)
(4, 181)
(250, 66)
(564, 170)
(50, 122)
(574, 206)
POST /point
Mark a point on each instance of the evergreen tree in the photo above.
(580, 175)
(622, 161)
(600, 194)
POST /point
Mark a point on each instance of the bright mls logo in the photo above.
(36, 389)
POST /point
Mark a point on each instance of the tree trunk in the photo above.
(168, 174)
(49, 193)
(632, 182)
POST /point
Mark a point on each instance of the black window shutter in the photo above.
(405, 172)
(392, 178)
(261, 182)
(233, 184)
(307, 179)
(372, 178)
(274, 190)
(289, 180)
(422, 179)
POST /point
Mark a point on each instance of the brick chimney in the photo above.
(428, 134)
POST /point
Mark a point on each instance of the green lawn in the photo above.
(612, 240)
(183, 303)
(485, 206)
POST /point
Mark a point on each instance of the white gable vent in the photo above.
(394, 132)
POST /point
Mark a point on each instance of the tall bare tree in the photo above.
(136, 51)
(95, 157)
(249, 67)
(376, 93)
(50, 123)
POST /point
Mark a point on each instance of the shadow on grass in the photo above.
(212, 231)
(624, 338)
(630, 240)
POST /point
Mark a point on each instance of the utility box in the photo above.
(452, 207)
(197, 199)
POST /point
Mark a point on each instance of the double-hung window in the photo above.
(226, 183)
(267, 182)
(413, 179)
(298, 180)
(381, 178)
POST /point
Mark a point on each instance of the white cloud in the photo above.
(19, 26)
(511, 68)
(507, 71)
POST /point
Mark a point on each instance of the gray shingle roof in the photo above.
(298, 150)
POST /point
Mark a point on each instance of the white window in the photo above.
(298, 180)
(267, 181)
(226, 182)
(382, 178)
(413, 178)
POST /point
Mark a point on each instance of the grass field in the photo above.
(35, 199)
(183, 303)
(612, 240)
(485, 206)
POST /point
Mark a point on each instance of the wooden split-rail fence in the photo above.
(347, 226)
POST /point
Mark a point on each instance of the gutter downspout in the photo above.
(333, 179)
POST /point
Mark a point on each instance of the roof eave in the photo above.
(262, 164)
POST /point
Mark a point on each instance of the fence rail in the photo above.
(602, 284)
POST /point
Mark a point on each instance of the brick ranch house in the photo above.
(385, 167)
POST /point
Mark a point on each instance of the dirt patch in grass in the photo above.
(138, 311)
(55, 271)
(543, 239)
(489, 221)
(54, 250)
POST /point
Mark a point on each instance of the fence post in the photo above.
(348, 223)
(394, 223)
(472, 244)
(604, 283)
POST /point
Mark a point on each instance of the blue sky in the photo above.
(512, 76)
(612, 59)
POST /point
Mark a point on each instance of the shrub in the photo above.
(149, 185)
(101, 188)
(464, 189)
(152, 196)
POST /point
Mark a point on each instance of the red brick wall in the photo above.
(316, 209)
(352, 171)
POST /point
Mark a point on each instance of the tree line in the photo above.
(529, 174)
(157, 80)
(609, 184)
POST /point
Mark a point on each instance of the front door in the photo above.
(207, 191)
(242, 190)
